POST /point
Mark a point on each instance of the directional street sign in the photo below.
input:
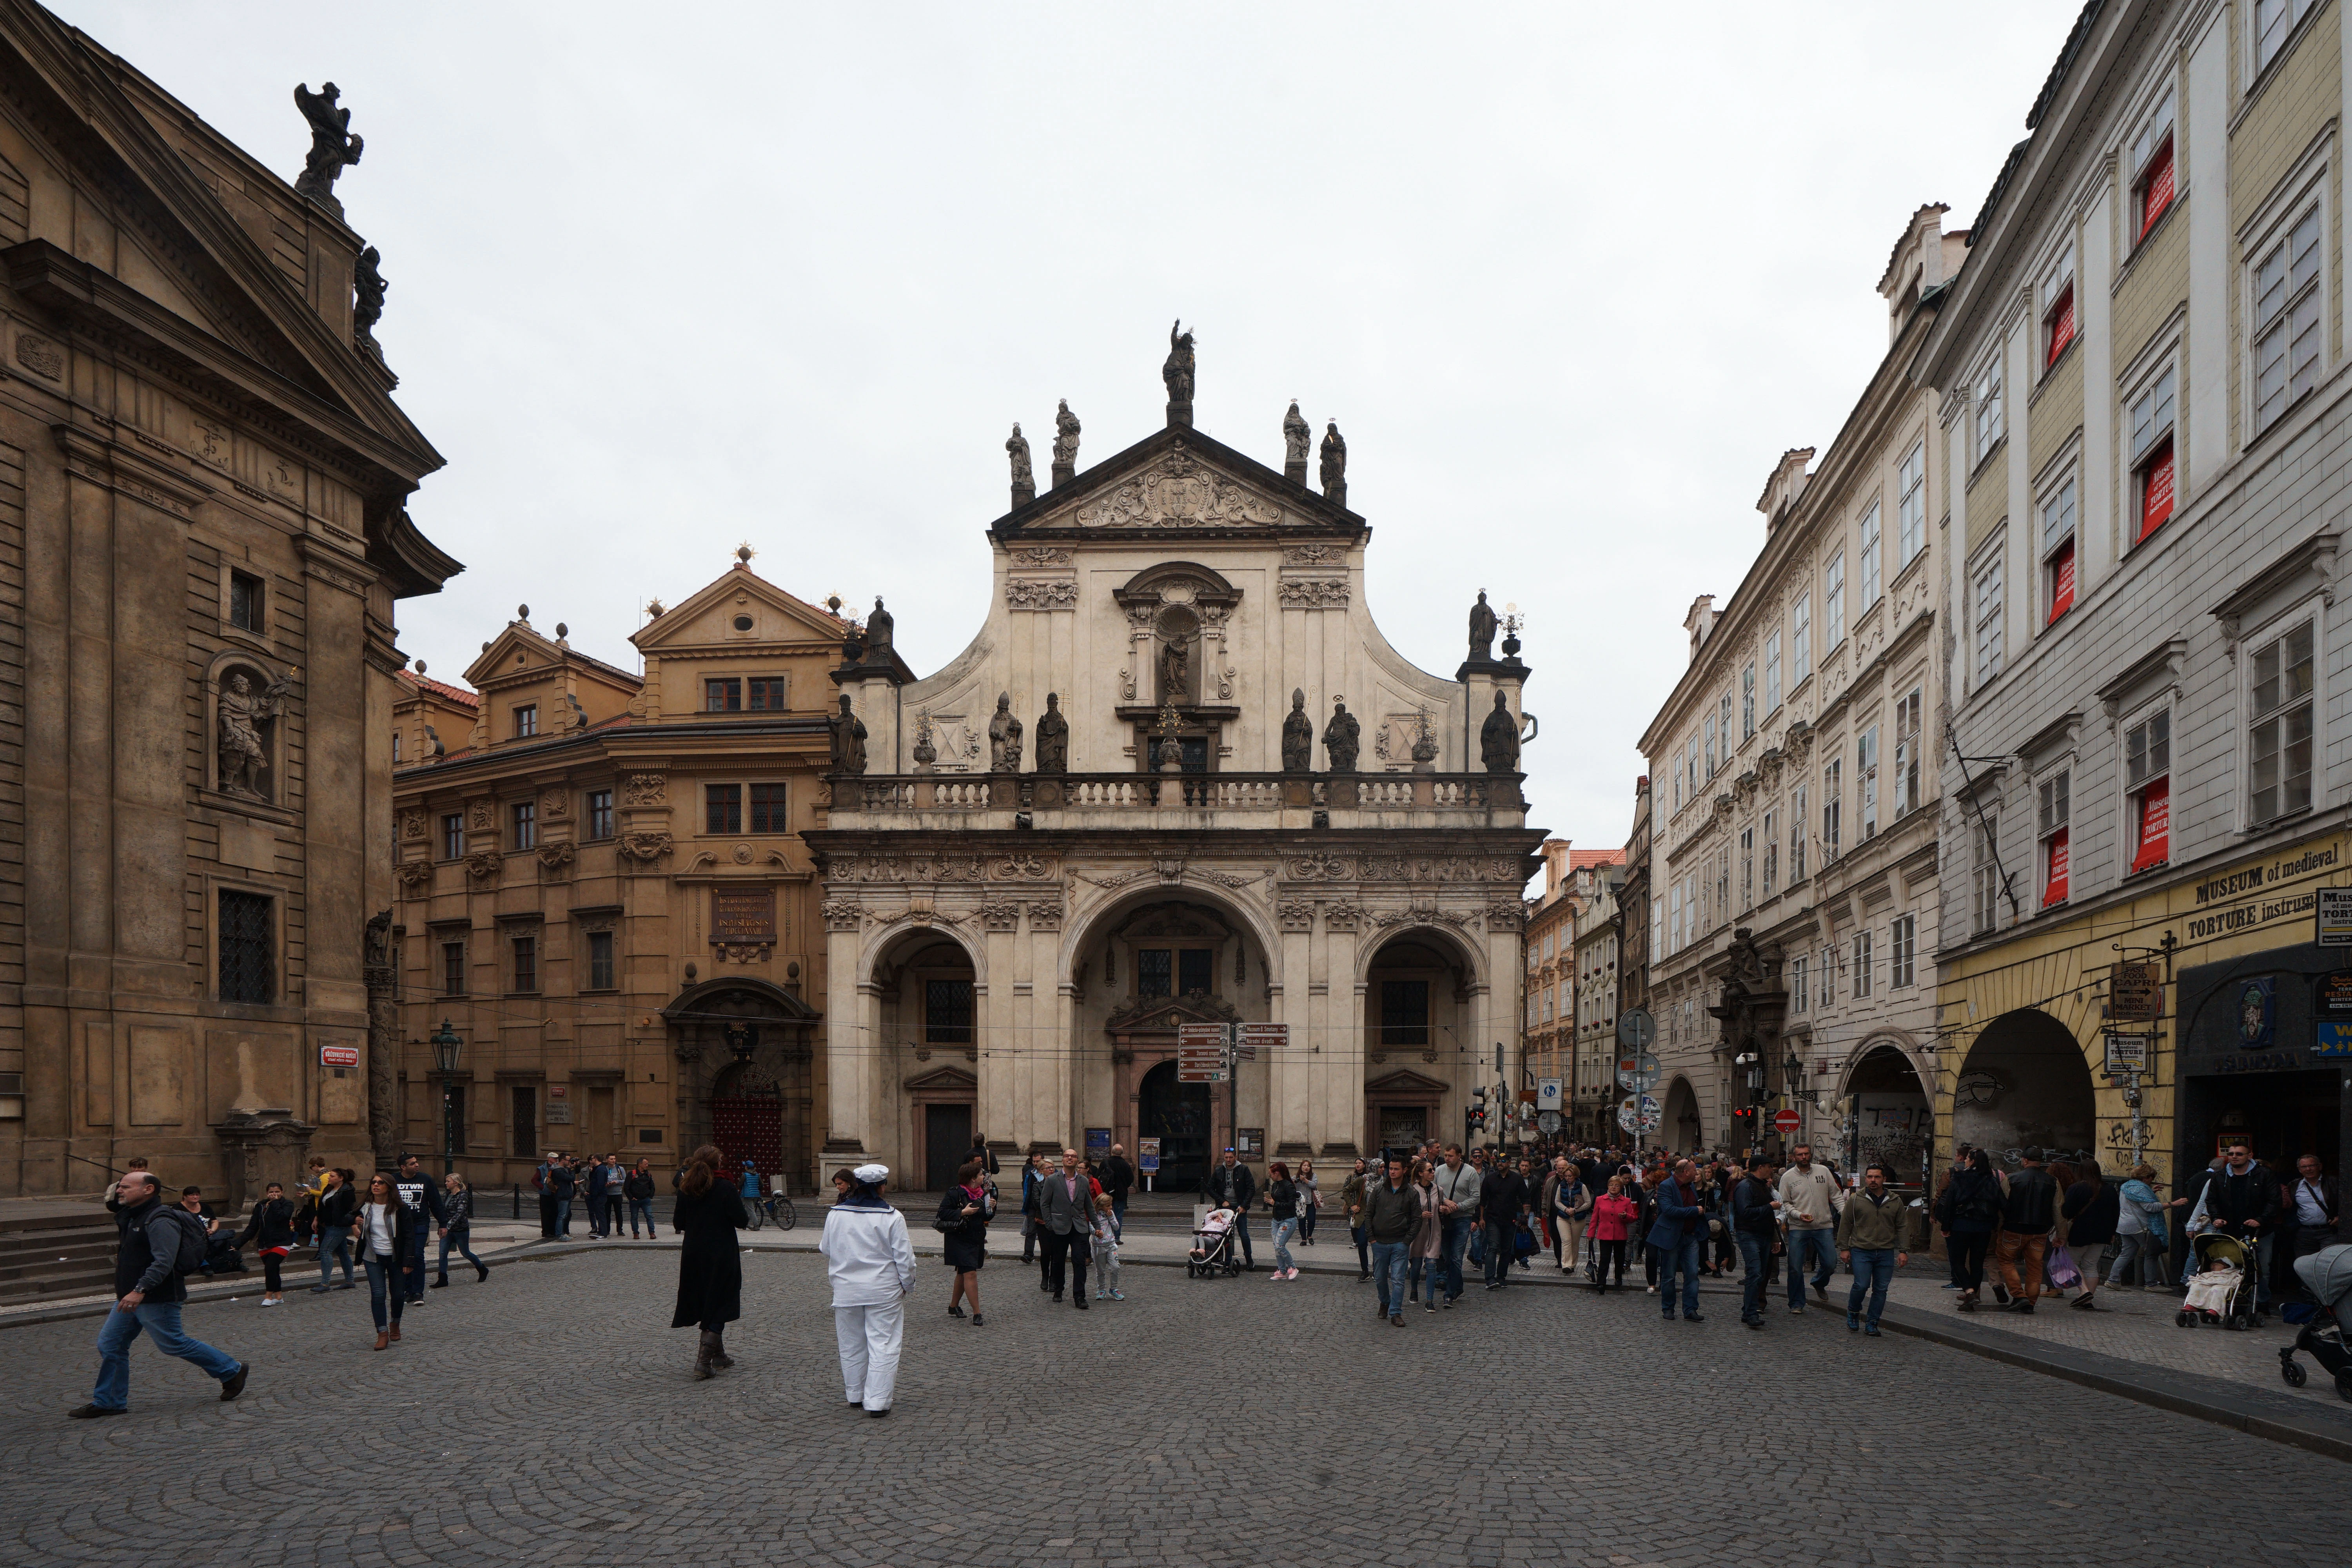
(1637, 1070)
(1201, 1053)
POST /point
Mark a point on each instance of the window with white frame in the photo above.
(1833, 807)
(1748, 867)
(1902, 949)
(1865, 776)
(2273, 22)
(1870, 556)
(1727, 732)
(1907, 752)
(1985, 873)
(1828, 992)
(1862, 964)
(1748, 700)
(1675, 918)
(1801, 641)
(2058, 308)
(2148, 788)
(1799, 826)
(2051, 814)
(1708, 730)
(2058, 509)
(1772, 671)
(2278, 738)
(1833, 602)
(1910, 505)
(1723, 885)
(1676, 774)
(1992, 637)
(1771, 852)
(2287, 336)
(1690, 765)
(1797, 970)
(2154, 412)
(1989, 421)
(2151, 170)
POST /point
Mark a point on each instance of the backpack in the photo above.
(188, 1256)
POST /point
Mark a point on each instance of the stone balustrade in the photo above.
(979, 802)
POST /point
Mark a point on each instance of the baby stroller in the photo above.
(2222, 1287)
(2327, 1274)
(1213, 1247)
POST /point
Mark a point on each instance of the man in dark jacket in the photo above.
(150, 1290)
(1391, 1214)
(1118, 1179)
(1502, 1198)
(422, 1196)
(2030, 1209)
(2242, 1199)
(1231, 1185)
(1682, 1220)
(1755, 1227)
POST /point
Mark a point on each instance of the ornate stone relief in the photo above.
(740, 952)
(482, 865)
(1314, 556)
(645, 847)
(1043, 556)
(1399, 869)
(859, 869)
(1295, 914)
(555, 860)
(1179, 491)
(478, 816)
(40, 356)
(842, 914)
(1313, 592)
(415, 876)
(645, 789)
(555, 806)
(412, 825)
(1423, 914)
(1346, 915)
(1046, 914)
(1508, 916)
(999, 914)
(1040, 593)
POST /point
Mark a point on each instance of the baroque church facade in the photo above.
(1179, 776)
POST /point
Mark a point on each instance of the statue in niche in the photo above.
(1343, 738)
(376, 944)
(333, 148)
(1178, 372)
(1004, 737)
(848, 736)
(1482, 631)
(1065, 442)
(1175, 670)
(1298, 736)
(1498, 738)
(881, 628)
(1052, 737)
(244, 753)
(1297, 434)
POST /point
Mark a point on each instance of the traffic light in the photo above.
(1477, 1110)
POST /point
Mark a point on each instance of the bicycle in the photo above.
(777, 1207)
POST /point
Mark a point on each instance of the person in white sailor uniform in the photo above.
(871, 1260)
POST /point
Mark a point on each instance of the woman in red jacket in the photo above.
(1612, 1219)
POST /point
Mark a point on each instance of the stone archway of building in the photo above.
(2024, 1084)
(1181, 1117)
(746, 1074)
(1679, 1126)
(1890, 1121)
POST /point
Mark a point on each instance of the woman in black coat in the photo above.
(272, 1225)
(965, 1210)
(1968, 1213)
(2092, 1208)
(710, 1265)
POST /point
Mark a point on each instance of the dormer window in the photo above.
(767, 693)
(723, 696)
(526, 721)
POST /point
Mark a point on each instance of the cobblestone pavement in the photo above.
(547, 1418)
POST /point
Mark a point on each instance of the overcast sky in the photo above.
(1570, 277)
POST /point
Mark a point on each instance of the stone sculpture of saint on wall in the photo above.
(1343, 738)
(1052, 737)
(1004, 737)
(244, 753)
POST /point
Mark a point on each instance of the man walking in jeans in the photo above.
(150, 1290)
(1231, 1185)
(1681, 1223)
(1808, 1209)
(1391, 1213)
(1870, 1236)
(1756, 1226)
(2025, 1220)
(1457, 1186)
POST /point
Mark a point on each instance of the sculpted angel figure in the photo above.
(333, 148)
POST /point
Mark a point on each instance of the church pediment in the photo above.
(943, 1080)
(1179, 482)
(1170, 1013)
(1402, 1082)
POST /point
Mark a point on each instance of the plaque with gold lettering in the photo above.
(743, 914)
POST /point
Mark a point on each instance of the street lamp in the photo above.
(446, 1046)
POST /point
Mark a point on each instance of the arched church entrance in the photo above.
(2025, 1084)
(1889, 1121)
(746, 1081)
(1419, 1041)
(1679, 1127)
(1180, 1116)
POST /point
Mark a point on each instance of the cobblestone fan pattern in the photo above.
(547, 1418)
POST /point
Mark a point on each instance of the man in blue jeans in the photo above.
(426, 1205)
(1809, 1209)
(1755, 1227)
(1870, 1236)
(1681, 1223)
(1391, 1214)
(150, 1290)
(1458, 1184)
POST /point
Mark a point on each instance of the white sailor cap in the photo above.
(869, 1174)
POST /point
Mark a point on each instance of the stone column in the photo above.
(851, 1037)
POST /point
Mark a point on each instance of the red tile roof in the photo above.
(1580, 858)
(457, 694)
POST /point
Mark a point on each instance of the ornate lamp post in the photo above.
(446, 1046)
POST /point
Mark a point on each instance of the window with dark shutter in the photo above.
(946, 1012)
(1404, 1011)
(247, 962)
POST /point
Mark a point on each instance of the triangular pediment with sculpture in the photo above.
(1179, 483)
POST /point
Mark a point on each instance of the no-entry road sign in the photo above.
(1788, 1121)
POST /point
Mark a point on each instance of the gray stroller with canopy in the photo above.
(2327, 1274)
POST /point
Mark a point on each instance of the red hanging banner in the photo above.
(2061, 579)
(2154, 847)
(2054, 870)
(2155, 491)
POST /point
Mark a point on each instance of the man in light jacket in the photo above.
(1809, 1211)
(1456, 1184)
(871, 1260)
